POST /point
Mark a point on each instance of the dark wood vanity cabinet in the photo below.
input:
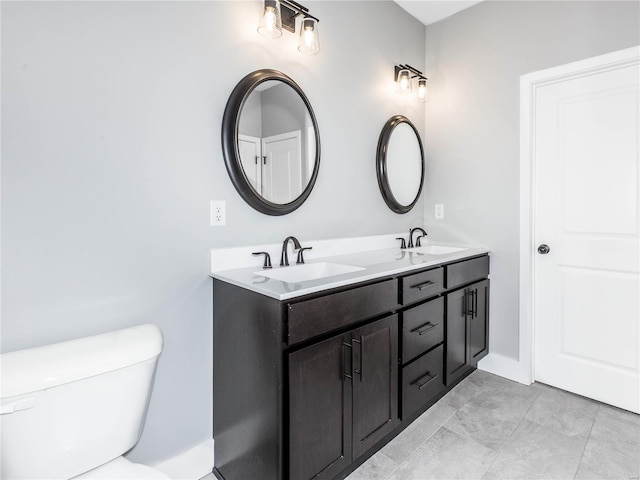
(467, 319)
(308, 388)
(320, 410)
(342, 398)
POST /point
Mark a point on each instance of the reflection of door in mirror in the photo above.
(282, 171)
(273, 165)
(249, 149)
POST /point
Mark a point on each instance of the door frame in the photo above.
(524, 372)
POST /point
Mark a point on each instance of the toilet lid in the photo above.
(122, 469)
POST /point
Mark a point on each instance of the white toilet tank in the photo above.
(73, 406)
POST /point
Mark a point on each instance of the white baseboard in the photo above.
(506, 367)
(190, 465)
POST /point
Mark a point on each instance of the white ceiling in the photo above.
(430, 11)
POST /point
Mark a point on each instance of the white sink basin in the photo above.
(308, 271)
(436, 249)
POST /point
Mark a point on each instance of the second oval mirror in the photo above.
(270, 142)
(400, 164)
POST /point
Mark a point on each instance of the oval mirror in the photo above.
(400, 164)
(270, 142)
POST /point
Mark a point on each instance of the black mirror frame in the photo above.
(381, 164)
(230, 122)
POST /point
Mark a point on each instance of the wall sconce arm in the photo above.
(416, 73)
(291, 10)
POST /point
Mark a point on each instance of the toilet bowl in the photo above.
(70, 410)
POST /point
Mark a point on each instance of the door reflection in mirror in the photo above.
(276, 142)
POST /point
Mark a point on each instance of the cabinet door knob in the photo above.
(543, 249)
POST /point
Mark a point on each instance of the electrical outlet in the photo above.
(439, 211)
(218, 213)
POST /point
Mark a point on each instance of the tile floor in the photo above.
(490, 428)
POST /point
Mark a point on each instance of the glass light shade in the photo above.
(309, 42)
(271, 22)
(423, 91)
(404, 82)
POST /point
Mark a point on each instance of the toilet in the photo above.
(70, 410)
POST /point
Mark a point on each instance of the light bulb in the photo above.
(423, 92)
(309, 42)
(270, 19)
(404, 82)
(271, 23)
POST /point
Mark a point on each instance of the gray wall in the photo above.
(282, 110)
(251, 119)
(111, 119)
(474, 61)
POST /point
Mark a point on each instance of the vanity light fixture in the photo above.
(403, 79)
(423, 91)
(279, 14)
(404, 75)
(271, 22)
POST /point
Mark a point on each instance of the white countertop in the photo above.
(374, 263)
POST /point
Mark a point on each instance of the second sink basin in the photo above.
(308, 271)
(436, 249)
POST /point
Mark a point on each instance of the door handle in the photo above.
(543, 249)
(344, 361)
(360, 360)
(472, 303)
(468, 301)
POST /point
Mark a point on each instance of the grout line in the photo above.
(524, 415)
(415, 450)
(587, 440)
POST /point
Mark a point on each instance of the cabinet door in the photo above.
(456, 363)
(478, 324)
(320, 409)
(375, 382)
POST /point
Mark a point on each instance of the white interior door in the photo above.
(586, 198)
(282, 172)
(249, 149)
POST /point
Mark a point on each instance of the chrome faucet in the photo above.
(284, 257)
(424, 234)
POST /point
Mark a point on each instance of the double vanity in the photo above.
(318, 365)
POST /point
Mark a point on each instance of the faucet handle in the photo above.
(403, 244)
(418, 240)
(267, 259)
(300, 252)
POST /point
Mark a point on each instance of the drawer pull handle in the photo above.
(422, 286)
(424, 328)
(428, 376)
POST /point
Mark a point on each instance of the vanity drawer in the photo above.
(422, 328)
(468, 271)
(421, 381)
(316, 316)
(421, 285)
